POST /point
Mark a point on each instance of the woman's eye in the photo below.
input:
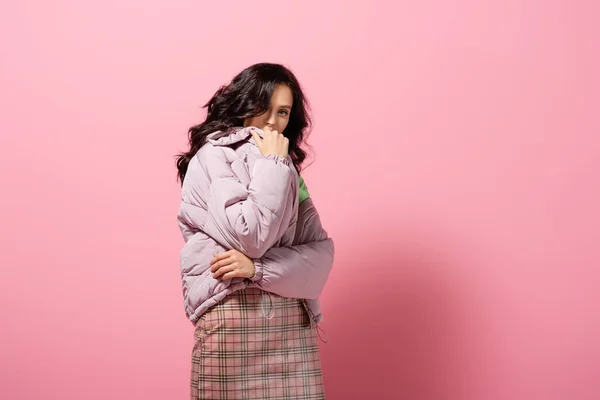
(283, 112)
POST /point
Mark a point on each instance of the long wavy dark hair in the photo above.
(249, 95)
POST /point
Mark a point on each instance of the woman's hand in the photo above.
(232, 264)
(272, 143)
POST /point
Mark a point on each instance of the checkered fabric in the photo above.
(243, 352)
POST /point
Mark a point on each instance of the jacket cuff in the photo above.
(277, 159)
(258, 270)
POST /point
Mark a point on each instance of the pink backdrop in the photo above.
(457, 169)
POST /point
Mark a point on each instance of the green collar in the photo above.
(303, 190)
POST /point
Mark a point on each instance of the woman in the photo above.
(256, 257)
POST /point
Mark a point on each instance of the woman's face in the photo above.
(278, 114)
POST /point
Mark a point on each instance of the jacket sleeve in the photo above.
(300, 270)
(248, 218)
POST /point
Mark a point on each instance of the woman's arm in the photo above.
(248, 219)
(300, 270)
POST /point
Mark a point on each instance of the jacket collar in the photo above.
(233, 135)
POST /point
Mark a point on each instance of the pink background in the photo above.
(457, 169)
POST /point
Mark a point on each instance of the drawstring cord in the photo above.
(319, 330)
(315, 324)
(266, 305)
(269, 314)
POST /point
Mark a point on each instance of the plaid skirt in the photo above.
(256, 345)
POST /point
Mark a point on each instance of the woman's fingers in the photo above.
(232, 274)
(219, 257)
(223, 270)
(274, 143)
(221, 263)
(257, 139)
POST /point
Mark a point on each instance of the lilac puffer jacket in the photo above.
(235, 198)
